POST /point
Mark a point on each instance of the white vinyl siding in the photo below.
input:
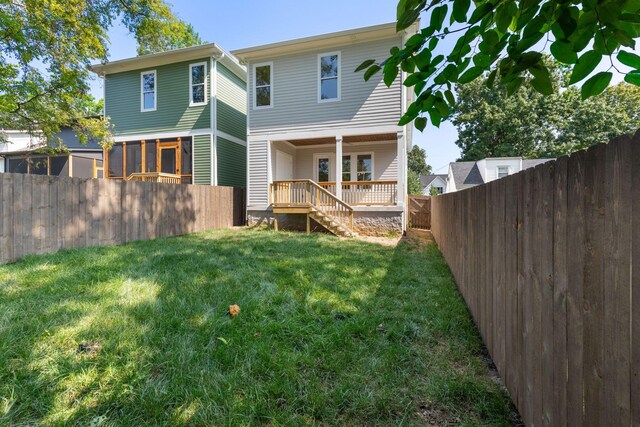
(294, 96)
(258, 173)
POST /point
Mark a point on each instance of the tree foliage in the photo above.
(163, 31)
(492, 124)
(46, 47)
(417, 161)
(414, 186)
(505, 38)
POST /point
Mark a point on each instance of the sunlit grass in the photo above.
(330, 332)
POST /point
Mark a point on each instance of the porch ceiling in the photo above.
(346, 139)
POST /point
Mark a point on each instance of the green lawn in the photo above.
(330, 332)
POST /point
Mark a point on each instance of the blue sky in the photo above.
(243, 23)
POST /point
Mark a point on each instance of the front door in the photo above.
(168, 157)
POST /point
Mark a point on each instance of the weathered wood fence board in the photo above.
(420, 212)
(548, 261)
(43, 214)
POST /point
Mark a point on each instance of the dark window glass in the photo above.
(263, 96)
(39, 166)
(197, 84)
(263, 86)
(59, 166)
(346, 168)
(365, 167)
(168, 160)
(323, 170)
(150, 156)
(134, 157)
(186, 157)
(18, 165)
(115, 161)
(329, 77)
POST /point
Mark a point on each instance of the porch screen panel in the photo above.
(186, 157)
(150, 156)
(59, 166)
(115, 161)
(18, 165)
(39, 166)
(134, 157)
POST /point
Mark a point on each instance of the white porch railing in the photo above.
(366, 193)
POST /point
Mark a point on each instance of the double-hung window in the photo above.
(364, 166)
(263, 85)
(198, 84)
(503, 171)
(329, 77)
(149, 90)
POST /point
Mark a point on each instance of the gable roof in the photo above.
(374, 32)
(173, 56)
(466, 174)
(428, 179)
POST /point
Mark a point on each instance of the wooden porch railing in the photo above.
(307, 193)
(155, 177)
(363, 193)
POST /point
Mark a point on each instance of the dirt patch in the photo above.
(386, 241)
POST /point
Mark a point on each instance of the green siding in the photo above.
(232, 103)
(232, 163)
(202, 159)
(172, 107)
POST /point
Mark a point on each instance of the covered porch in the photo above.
(360, 170)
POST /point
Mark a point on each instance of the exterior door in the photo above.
(168, 157)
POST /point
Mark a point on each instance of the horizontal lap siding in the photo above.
(232, 104)
(122, 101)
(202, 159)
(295, 92)
(232, 161)
(258, 188)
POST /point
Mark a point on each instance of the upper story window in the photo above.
(198, 84)
(329, 77)
(263, 85)
(503, 171)
(149, 89)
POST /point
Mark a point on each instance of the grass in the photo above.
(330, 332)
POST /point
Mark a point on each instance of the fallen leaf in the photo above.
(234, 310)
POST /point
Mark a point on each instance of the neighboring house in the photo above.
(29, 153)
(439, 182)
(179, 114)
(469, 174)
(314, 122)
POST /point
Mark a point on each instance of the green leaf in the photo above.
(423, 60)
(435, 117)
(224, 341)
(390, 73)
(407, 19)
(460, 9)
(420, 123)
(541, 79)
(492, 78)
(437, 16)
(585, 65)
(449, 95)
(442, 107)
(406, 119)
(480, 13)
(371, 71)
(414, 79)
(563, 52)
(433, 43)
(471, 74)
(596, 84)
(504, 16)
(365, 64)
(633, 78)
(630, 59)
(415, 40)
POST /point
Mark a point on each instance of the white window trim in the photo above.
(354, 164)
(339, 77)
(502, 167)
(191, 103)
(316, 171)
(255, 97)
(155, 90)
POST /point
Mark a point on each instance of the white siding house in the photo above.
(311, 117)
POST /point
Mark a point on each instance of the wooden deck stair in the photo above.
(307, 197)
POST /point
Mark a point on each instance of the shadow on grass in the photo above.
(330, 331)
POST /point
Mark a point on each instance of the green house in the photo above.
(177, 116)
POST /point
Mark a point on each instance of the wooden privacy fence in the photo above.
(548, 261)
(43, 214)
(420, 212)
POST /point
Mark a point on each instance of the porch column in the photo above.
(402, 169)
(339, 167)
